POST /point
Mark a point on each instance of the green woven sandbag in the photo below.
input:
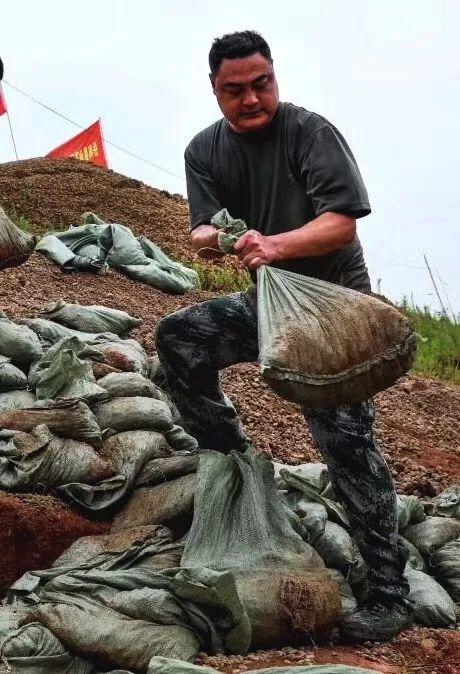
(15, 245)
(322, 345)
(90, 318)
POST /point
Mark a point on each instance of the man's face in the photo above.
(247, 92)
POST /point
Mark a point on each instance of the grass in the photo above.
(29, 227)
(220, 278)
(439, 344)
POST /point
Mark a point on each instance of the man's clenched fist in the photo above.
(254, 249)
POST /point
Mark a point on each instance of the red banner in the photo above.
(2, 102)
(87, 146)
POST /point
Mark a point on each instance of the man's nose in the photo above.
(250, 98)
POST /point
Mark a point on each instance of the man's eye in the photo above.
(260, 86)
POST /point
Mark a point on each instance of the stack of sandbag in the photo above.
(15, 245)
(78, 411)
(432, 542)
(97, 245)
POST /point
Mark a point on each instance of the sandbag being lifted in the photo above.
(323, 345)
(15, 245)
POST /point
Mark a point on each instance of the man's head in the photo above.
(243, 80)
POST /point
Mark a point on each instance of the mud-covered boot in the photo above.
(376, 622)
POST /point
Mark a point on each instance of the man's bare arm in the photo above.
(325, 234)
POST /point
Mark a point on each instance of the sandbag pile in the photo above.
(89, 436)
(97, 245)
(15, 245)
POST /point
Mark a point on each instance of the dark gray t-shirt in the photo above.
(278, 179)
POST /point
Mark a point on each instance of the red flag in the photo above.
(2, 102)
(87, 146)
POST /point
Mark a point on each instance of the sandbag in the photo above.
(61, 375)
(38, 459)
(15, 245)
(322, 345)
(51, 332)
(156, 471)
(18, 343)
(71, 419)
(91, 318)
(445, 565)
(334, 510)
(445, 504)
(33, 649)
(171, 666)
(15, 400)
(414, 557)
(180, 440)
(128, 384)
(338, 550)
(125, 355)
(316, 474)
(169, 504)
(432, 533)
(410, 511)
(135, 413)
(349, 603)
(240, 525)
(11, 377)
(432, 605)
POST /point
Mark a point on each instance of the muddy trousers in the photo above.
(195, 343)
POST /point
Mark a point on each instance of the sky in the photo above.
(385, 72)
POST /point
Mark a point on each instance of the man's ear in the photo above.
(212, 79)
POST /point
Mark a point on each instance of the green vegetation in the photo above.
(220, 278)
(30, 227)
(439, 344)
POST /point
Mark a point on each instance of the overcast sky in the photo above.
(385, 72)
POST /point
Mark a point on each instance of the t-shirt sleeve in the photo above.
(331, 176)
(202, 193)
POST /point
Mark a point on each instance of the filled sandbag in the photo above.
(61, 375)
(91, 318)
(16, 400)
(71, 419)
(432, 533)
(323, 345)
(410, 510)
(169, 504)
(39, 459)
(15, 245)
(316, 474)
(128, 384)
(240, 525)
(431, 604)
(338, 550)
(180, 440)
(349, 603)
(414, 557)
(50, 332)
(298, 483)
(161, 470)
(125, 355)
(445, 566)
(18, 343)
(11, 377)
(445, 504)
(134, 413)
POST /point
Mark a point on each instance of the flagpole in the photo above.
(2, 97)
(12, 135)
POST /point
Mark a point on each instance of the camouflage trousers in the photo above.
(195, 343)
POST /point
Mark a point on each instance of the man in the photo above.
(292, 177)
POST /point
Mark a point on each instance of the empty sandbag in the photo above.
(71, 419)
(156, 471)
(135, 413)
(41, 459)
(170, 504)
(15, 400)
(11, 377)
(445, 565)
(91, 318)
(15, 245)
(432, 605)
(432, 533)
(18, 342)
(128, 384)
(410, 511)
(60, 374)
(240, 524)
(323, 345)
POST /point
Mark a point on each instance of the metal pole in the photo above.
(435, 287)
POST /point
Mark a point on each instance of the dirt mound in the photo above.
(35, 530)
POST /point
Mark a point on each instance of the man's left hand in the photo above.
(254, 249)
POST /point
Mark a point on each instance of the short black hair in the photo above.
(235, 46)
(1, 69)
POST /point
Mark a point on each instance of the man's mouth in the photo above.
(254, 113)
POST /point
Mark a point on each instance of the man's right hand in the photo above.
(204, 241)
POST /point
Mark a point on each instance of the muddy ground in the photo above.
(418, 420)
